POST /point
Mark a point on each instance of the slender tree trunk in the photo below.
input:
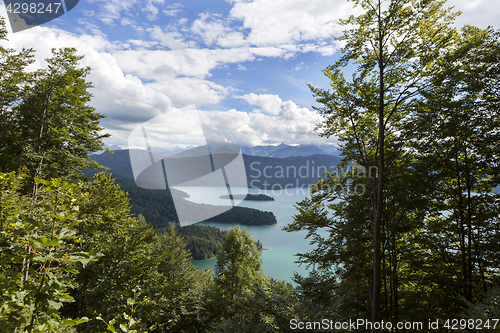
(377, 249)
(386, 292)
(478, 252)
(38, 170)
(469, 229)
(462, 227)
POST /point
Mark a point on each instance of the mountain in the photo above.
(284, 150)
(297, 151)
(279, 151)
(111, 147)
(262, 150)
(330, 149)
(262, 172)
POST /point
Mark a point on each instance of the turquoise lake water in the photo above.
(279, 260)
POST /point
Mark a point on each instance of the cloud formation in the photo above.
(169, 60)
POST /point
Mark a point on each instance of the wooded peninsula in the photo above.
(252, 197)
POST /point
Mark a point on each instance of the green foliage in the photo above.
(238, 264)
(202, 242)
(131, 322)
(13, 78)
(109, 230)
(242, 298)
(418, 121)
(245, 216)
(51, 127)
(462, 142)
(37, 260)
(173, 292)
(157, 207)
(320, 297)
(238, 275)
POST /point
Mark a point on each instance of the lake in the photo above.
(279, 260)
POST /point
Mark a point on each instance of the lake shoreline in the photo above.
(280, 262)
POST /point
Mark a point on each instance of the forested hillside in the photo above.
(250, 197)
(157, 207)
(202, 242)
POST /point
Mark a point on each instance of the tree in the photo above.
(36, 256)
(462, 140)
(174, 290)
(396, 47)
(238, 274)
(54, 127)
(13, 78)
(108, 230)
(238, 265)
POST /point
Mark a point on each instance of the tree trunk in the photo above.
(469, 229)
(462, 227)
(377, 250)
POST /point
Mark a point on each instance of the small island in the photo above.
(253, 197)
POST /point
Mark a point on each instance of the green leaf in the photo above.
(53, 242)
(54, 305)
(74, 322)
(66, 233)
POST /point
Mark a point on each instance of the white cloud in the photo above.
(186, 91)
(189, 62)
(270, 104)
(280, 24)
(151, 9)
(171, 39)
(210, 27)
(110, 11)
(480, 13)
(123, 98)
(173, 9)
(282, 122)
(290, 125)
(289, 21)
(275, 122)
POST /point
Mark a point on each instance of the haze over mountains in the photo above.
(279, 151)
(261, 171)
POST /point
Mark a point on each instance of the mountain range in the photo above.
(262, 171)
(279, 151)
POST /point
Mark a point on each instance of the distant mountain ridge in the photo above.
(262, 171)
(280, 151)
(284, 150)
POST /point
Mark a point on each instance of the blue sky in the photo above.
(244, 63)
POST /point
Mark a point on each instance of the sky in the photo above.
(242, 64)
